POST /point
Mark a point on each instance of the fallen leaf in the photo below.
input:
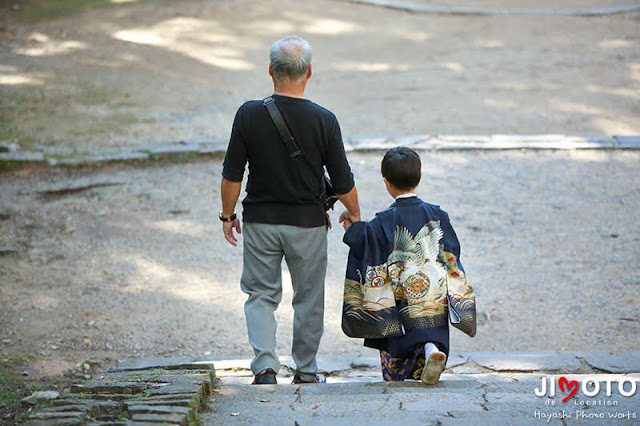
(235, 414)
(87, 340)
(264, 400)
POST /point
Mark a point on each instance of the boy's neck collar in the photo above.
(408, 195)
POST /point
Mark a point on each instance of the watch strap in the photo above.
(227, 219)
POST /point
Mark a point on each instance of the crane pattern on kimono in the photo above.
(415, 270)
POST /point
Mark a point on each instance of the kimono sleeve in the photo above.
(450, 241)
(460, 293)
(369, 307)
(368, 244)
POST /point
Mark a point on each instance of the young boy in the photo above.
(400, 266)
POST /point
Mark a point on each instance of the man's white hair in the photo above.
(290, 58)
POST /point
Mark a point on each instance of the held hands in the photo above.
(346, 219)
(227, 229)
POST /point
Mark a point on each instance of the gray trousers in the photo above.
(305, 251)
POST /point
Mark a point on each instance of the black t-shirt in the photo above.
(277, 190)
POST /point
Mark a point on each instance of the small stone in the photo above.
(632, 142)
(129, 388)
(40, 396)
(6, 213)
(8, 251)
(158, 409)
(22, 156)
(158, 418)
(68, 417)
(90, 365)
(9, 147)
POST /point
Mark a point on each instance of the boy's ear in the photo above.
(388, 185)
(386, 182)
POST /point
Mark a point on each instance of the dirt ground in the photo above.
(144, 72)
(140, 268)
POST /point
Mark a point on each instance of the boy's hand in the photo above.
(345, 219)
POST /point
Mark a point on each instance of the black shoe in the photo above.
(265, 377)
(318, 379)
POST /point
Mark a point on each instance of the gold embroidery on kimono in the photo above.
(416, 279)
(418, 276)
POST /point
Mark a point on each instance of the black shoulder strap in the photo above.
(285, 134)
(294, 150)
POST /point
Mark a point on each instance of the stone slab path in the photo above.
(171, 393)
(65, 156)
(483, 11)
(557, 387)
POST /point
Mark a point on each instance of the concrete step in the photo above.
(477, 388)
(457, 399)
(596, 387)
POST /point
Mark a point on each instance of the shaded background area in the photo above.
(137, 72)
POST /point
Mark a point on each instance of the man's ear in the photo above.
(309, 72)
(271, 70)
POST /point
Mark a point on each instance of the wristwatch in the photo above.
(227, 219)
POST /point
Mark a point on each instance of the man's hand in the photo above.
(227, 229)
(230, 191)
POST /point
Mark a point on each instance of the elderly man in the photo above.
(282, 212)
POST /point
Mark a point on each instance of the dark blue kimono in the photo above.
(403, 267)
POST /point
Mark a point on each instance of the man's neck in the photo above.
(290, 89)
(289, 93)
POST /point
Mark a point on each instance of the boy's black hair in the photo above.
(401, 166)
